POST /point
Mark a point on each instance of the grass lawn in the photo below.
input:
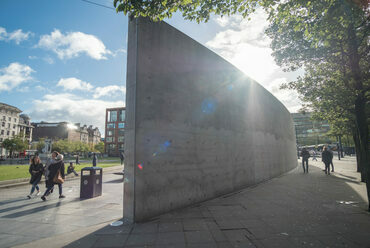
(8, 172)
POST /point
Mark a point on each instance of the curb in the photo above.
(25, 181)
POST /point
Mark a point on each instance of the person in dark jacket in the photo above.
(305, 156)
(36, 170)
(53, 169)
(71, 169)
(77, 159)
(122, 157)
(326, 157)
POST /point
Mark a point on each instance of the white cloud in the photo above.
(14, 75)
(110, 90)
(17, 36)
(72, 83)
(245, 45)
(72, 108)
(288, 97)
(48, 60)
(118, 51)
(72, 44)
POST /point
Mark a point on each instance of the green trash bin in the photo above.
(91, 182)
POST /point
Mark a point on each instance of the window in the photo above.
(13, 133)
(112, 116)
(112, 146)
(14, 126)
(110, 125)
(121, 138)
(9, 118)
(15, 119)
(110, 133)
(121, 125)
(1, 139)
(7, 133)
(8, 125)
(3, 124)
(109, 139)
(121, 146)
(122, 115)
(4, 118)
(2, 132)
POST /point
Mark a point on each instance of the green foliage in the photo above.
(16, 144)
(99, 147)
(65, 146)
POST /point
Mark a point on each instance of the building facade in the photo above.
(308, 131)
(12, 124)
(114, 131)
(65, 130)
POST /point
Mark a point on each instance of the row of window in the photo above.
(3, 125)
(112, 139)
(7, 132)
(113, 147)
(113, 126)
(112, 115)
(9, 118)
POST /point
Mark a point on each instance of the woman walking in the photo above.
(36, 169)
(55, 176)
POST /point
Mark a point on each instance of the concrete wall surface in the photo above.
(196, 127)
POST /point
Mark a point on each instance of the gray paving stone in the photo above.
(142, 239)
(198, 237)
(171, 226)
(171, 238)
(110, 241)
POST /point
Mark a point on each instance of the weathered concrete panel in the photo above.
(196, 126)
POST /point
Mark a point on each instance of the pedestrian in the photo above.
(314, 155)
(36, 170)
(55, 176)
(305, 155)
(77, 159)
(94, 160)
(326, 158)
(71, 169)
(122, 157)
(331, 160)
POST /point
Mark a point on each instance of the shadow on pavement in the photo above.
(38, 209)
(294, 210)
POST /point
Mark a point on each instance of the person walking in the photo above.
(326, 158)
(36, 170)
(305, 156)
(122, 157)
(77, 159)
(55, 176)
(314, 155)
(94, 160)
(331, 161)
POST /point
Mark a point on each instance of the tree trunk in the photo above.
(357, 150)
(363, 135)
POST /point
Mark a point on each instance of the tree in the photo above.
(328, 36)
(16, 144)
(99, 147)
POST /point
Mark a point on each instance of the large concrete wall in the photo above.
(196, 127)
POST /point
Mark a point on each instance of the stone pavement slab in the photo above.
(293, 210)
(23, 220)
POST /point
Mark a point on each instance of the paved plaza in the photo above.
(293, 210)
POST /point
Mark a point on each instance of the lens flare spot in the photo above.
(230, 87)
(140, 166)
(154, 154)
(208, 106)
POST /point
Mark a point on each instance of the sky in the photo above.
(66, 60)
